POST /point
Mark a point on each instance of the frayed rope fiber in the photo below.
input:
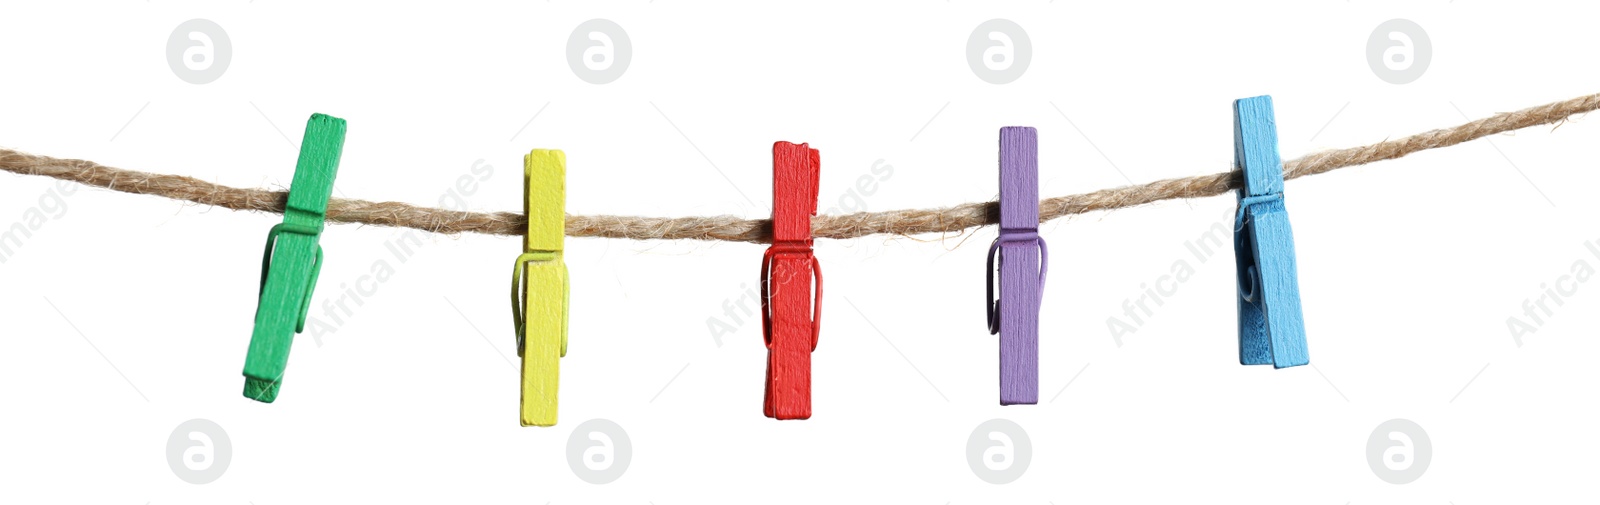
(730, 228)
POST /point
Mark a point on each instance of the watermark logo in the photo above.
(999, 51)
(199, 51)
(599, 451)
(998, 451)
(1399, 451)
(199, 451)
(1399, 51)
(599, 51)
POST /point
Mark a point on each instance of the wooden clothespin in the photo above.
(790, 317)
(1024, 259)
(1271, 328)
(539, 287)
(293, 258)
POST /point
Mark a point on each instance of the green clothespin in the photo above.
(293, 258)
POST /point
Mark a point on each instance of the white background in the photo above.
(126, 315)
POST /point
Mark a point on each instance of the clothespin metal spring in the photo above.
(796, 249)
(519, 299)
(1012, 237)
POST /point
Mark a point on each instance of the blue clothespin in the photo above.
(1271, 328)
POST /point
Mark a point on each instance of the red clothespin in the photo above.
(790, 317)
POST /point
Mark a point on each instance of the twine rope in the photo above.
(731, 228)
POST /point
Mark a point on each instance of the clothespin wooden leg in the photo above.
(1019, 342)
(293, 259)
(541, 363)
(789, 356)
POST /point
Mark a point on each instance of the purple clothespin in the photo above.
(1023, 262)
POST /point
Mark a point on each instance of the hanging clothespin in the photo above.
(1024, 259)
(791, 317)
(539, 287)
(1271, 328)
(293, 258)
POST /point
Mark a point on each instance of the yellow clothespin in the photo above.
(539, 291)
